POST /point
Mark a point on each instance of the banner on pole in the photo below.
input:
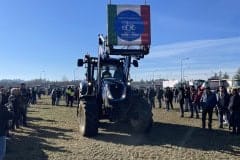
(129, 25)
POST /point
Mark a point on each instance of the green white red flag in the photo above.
(129, 25)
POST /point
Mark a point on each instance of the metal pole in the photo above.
(153, 75)
(181, 72)
(44, 75)
(220, 76)
(182, 68)
(74, 76)
(183, 77)
(45, 81)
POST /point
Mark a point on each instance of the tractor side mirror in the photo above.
(80, 62)
(135, 63)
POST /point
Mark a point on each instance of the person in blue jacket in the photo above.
(209, 101)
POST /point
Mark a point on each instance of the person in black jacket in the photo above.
(223, 102)
(234, 107)
(171, 98)
(151, 97)
(24, 94)
(186, 98)
(175, 94)
(14, 100)
(181, 100)
(4, 96)
(5, 116)
(168, 96)
(59, 94)
(34, 96)
(159, 97)
(54, 96)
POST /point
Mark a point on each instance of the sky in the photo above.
(44, 38)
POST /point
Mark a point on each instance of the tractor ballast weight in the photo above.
(106, 92)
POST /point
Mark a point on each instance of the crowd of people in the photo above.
(13, 111)
(15, 101)
(197, 100)
(71, 94)
(13, 108)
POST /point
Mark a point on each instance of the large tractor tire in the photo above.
(88, 117)
(140, 114)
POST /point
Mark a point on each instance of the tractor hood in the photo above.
(113, 89)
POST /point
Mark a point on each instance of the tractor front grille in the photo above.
(116, 90)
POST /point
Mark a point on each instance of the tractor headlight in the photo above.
(128, 83)
(89, 83)
(124, 94)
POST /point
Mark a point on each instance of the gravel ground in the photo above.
(53, 134)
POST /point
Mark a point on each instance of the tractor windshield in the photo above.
(112, 72)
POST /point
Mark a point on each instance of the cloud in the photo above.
(224, 45)
(205, 58)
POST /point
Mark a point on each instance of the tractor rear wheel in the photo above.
(140, 115)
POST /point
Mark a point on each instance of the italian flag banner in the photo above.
(129, 25)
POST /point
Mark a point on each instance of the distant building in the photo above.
(170, 83)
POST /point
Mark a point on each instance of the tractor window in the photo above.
(118, 73)
(106, 74)
(112, 72)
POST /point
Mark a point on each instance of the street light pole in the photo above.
(44, 75)
(43, 78)
(181, 72)
(74, 75)
(182, 59)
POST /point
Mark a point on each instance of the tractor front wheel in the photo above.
(88, 117)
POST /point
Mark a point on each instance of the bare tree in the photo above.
(225, 76)
(220, 75)
(215, 76)
(64, 78)
(237, 75)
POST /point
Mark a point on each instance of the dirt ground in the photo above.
(53, 134)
